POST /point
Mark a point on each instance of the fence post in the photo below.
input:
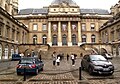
(80, 77)
(24, 79)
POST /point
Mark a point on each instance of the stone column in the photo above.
(59, 34)
(79, 34)
(69, 34)
(15, 36)
(49, 34)
(3, 4)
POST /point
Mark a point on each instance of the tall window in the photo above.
(35, 39)
(0, 51)
(93, 38)
(44, 39)
(54, 27)
(64, 40)
(84, 38)
(6, 52)
(92, 27)
(64, 27)
(74, 27)
(83, 27)
(74, 39)
(44, 27)
(0, 29)
(13, 34)
(54, 40)
(35, 27)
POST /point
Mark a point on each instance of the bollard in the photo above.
(80, 77)
(24, 74)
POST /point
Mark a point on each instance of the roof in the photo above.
(45, 11)
(58, 2)
(33, 11)
(94, 11)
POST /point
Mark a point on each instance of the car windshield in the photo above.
(97, 58)
(26, 61)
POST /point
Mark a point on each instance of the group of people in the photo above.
(57, 58)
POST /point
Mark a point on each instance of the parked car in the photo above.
(107, 56)
(30, 64)
(16, 57)
(97, 64)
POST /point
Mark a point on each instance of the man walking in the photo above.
(73, 59)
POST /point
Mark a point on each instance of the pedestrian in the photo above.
(40, 57)
(54, 58)
(73, 59)
(67, 57)
(58, 60)
(81, 54)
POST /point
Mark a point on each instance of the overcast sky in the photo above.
(102, 4)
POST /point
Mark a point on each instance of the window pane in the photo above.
(35, 26)
(83, 27)
(44, 27)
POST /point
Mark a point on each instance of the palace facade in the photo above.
(110, 31)
(63, 23)
(12, 32)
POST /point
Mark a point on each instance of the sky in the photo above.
(101, 4)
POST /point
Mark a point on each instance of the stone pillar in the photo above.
(49, 34)
(59, 34)
(69, 34)
(15, 36)
(79, 34)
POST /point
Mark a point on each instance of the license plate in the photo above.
(105, 69)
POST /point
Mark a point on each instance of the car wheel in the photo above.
(37, 71)
(90, 70)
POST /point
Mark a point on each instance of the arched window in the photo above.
(93, 38)
(6, 52)
(64, 40)
(84, 38)
(54, 40)
(0, 51)
(44, 39)
(12, 51)
(74, 39)
(35, 39)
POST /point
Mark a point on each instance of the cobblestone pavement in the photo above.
(63, 74)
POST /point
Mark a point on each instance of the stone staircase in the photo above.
(65, 50)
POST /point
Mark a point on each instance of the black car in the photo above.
(16, 57)
(30, 64)
(97, 64)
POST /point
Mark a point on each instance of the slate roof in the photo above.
(94, 11)
(45, 11)
(58, 2)
(33, 11)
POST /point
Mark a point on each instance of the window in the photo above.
(93, 38)
(7, 32)
(64, 27)
(54, 40)
(74, 39)
(13, 33)
(0, 30)
(35, 39)
(54, 27)
(64, 40)
(84, 38)
(35, 26)
(83, 27)
(44, 39)
(44, 27)
(92, 27)
(73, 27)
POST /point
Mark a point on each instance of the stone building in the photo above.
(63, 23)
(110, 31)
(12, 32)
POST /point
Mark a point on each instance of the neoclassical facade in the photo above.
(110, 31)
(12, 32)
(63, 23)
